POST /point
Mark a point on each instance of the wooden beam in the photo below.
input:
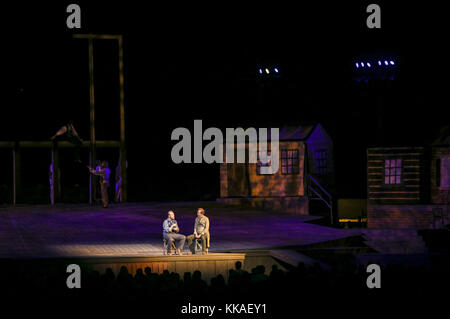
(5, 144)
(92, 117)
(62, 144)
(52, 177)
(17, 176)
(14, 175)
(123, 149)
(57, 175)
(93, 144)
(98, 36)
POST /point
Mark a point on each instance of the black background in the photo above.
(199, 61)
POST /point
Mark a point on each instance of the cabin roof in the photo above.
(444, 137)
(300, 132)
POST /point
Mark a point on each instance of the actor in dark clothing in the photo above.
(103, 172)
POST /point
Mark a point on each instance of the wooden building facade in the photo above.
(304, 151)
(396, 175)
(409, 187)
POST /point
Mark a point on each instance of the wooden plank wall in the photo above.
(242, 180)
(210, 265)
(411, 190)
(439, 195)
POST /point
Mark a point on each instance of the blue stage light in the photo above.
(392, 63)
(362, 64)
(386, 62)
(368, 64)
(260, 71)
(276, 70)
(357, 65)
(379, 62)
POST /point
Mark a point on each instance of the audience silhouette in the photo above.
(315, 283)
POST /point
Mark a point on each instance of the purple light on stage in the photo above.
(362, 64)
(260, 71)
(392, 62)
(379, 62)
(357, 65)
(386, 62)
(276, 70)
(368, 64)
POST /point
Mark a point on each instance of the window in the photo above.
(393, 171)
(289, 162)
(260, 164)
(320, 162)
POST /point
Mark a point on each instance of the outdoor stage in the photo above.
(134, 230)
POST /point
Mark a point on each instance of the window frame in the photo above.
(395, 175)
(321, 160)
(285, 161)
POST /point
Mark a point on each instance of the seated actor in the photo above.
(170, 233)
(201, 231)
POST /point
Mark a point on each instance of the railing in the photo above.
(321, 193)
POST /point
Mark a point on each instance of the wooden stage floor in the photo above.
(135, 229)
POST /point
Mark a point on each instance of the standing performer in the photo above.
(72, 137)
(103, 172)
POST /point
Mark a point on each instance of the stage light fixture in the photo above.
(370, 67)
(268, 72)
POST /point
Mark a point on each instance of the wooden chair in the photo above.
(173, 248)
(198, 246)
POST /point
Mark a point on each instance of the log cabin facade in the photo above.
(409, 187)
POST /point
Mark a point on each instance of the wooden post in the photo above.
(123, 153)
(92, 117)
(56, 173)
(16, 173)
(52, 176)
(122, 145)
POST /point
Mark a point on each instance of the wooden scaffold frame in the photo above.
(92, 144)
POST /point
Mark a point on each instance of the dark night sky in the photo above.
(199, 62)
